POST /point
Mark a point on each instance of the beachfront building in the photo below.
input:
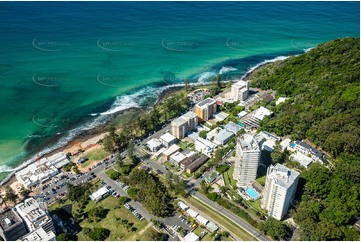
(35, 173)
(12, 227)
(184, 124)
(239, 90)
(280, 188)
(248, 156)
(167, 139)
(34, 216)
(205, 109)
(58, 160)
(204, 146)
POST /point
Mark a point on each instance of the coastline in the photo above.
(96, 133)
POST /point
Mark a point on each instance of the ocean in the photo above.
(66, 66)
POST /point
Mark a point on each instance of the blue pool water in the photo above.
(241, 124)
(252, 193)
(293, 145)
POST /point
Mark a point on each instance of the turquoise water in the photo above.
(66, 67)
(252, 193)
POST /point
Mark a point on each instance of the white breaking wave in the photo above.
(226, 69)
(204, 76)
(5, 168)
(278, 58)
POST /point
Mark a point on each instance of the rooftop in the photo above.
(207, 101)
(179, 121)
(281, 100)
(99, 193)
(261, 112)
(240, 84)
(167, 137)
(191, 237)
(39, 235)
(189, 114)
(154, 143)
(171, 150)
(232, 127)
(282, 175)
(178, 157)
(241, 114)
(223, 135)
(8, 219)
(198, 162)
(221, 116)
(248, 142)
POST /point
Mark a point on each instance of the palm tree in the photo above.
(186, 82)
(10, 195)
(223, 190)
(3, 200)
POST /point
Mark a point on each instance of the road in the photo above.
(234, 218)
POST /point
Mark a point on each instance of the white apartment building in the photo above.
(239, 90)
(34, 216)
(280, 188)
(248, 155)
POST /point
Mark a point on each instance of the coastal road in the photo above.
(231, 216)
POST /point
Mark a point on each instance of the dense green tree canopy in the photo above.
(324, 90)
(323, 106)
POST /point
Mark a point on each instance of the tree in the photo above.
(213, 196)
(108, 144)
(223, 190)
(10, 195)
(24, 192)
(119, 160)
(156, 236)
(277, 155)
(203, 134)
(186, 82)
(99, 234)
(130, 150)
(62, 237)
(132, 192)
(122, 200)
(276, 229)
(97, 212)
(3, 199)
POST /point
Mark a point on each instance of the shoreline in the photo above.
(100, 130)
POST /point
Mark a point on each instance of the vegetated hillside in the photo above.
(323, 86)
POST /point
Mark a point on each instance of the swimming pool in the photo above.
(293, 145)
(241, 124)
(252, 193)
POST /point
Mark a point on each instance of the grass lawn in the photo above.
(184, 145)
(220, 219)
(228, 178)
(118, 232)
(257, 205)
(207, 237)
(94, 155)
(261, 180)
